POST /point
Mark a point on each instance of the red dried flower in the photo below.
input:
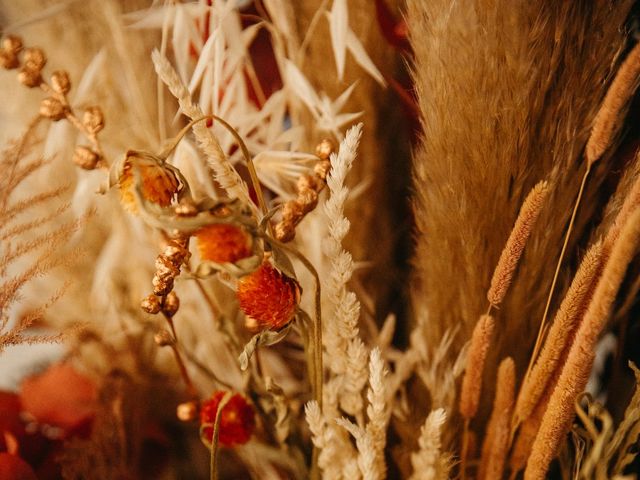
(237, 421)
(13, 467)
(159, 184)
(268, 298)
(223, 242)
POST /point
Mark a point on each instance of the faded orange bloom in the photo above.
(159, 185)
(268, 298)
(223, 242)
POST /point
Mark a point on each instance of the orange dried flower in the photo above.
(237, 421)
(222, 243)
(159, 185)
(268, 298)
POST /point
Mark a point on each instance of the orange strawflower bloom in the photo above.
(237, 421)
(268, 298)
(223, 242)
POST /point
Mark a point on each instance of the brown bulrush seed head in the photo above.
(472, 380)
(34, 59)
(151, 304)
(53, 109)
(187, 411)
(85, 158)
(171, 304)
(60, 82)
(93, 120)
(164, 339)
(503, 273)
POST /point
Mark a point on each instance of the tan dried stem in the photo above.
(617, 97)
(577, 368)
(503, 273)
(496, 441)
(567, 318)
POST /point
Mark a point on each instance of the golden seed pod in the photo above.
(324, 149)
(163, 338)
(60, 82)
(187, 411)
(151, 304)
(93, 120)
(85, 158)
(171, 304)
(9, 60)
(34, 59)
(321, 169)
(53, 109)
(12, 44)
(162, 284)
(29, 77)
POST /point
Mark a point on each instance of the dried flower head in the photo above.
(85, 157)
(53, 109)
(160, 185)
(29, 78)
(237, 421)
(34, 59)
(12, 44)
(151, 304)
(164, 339)
(60, 82)
(171, 304)
(223, 242)
(93, 120)
(268, 298)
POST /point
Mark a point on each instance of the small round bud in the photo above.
(34, 59)
(162, 285)
(174, 254)
(321, 169)
(93, 120)
(151, 304)
(324, 149)
(53, 109)
(171, 304)
(186, 209)
(60, 82)
(29, 77)
(187, 411)
(9, 60)
(12, 44)
(85, 158)
(164, 339)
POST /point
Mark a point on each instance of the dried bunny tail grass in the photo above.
(566, 320)
(428, 462)
(224, 172)
(529, 212)
(617, 97)
(629, 205)
(575, 372)
(472, 380)
(496, 440)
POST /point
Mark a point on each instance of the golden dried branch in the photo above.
(503, 273)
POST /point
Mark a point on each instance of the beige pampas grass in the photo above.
(472, 380)
(617, 98)
(575, 372)
(566, 320)
(503, 273)
(496, 440)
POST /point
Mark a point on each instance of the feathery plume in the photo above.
(496, 440)
(567, 318)
(472, 380)
(377, 411)
(503, 273)
(617, 97)
(575, 372)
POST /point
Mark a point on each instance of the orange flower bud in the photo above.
(237, 421)
(223, 242)
(159, 184)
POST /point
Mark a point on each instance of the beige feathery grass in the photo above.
(529, 213)
(566, 320)
(496, 440)
(617, 98)
(575, 372)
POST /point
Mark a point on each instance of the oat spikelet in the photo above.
(577, 368)
(514, 247)
(472, 380)
(496, 440)
(224, 172)
(617, 97)
(567, 318)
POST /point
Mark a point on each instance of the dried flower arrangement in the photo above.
(211, 217)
